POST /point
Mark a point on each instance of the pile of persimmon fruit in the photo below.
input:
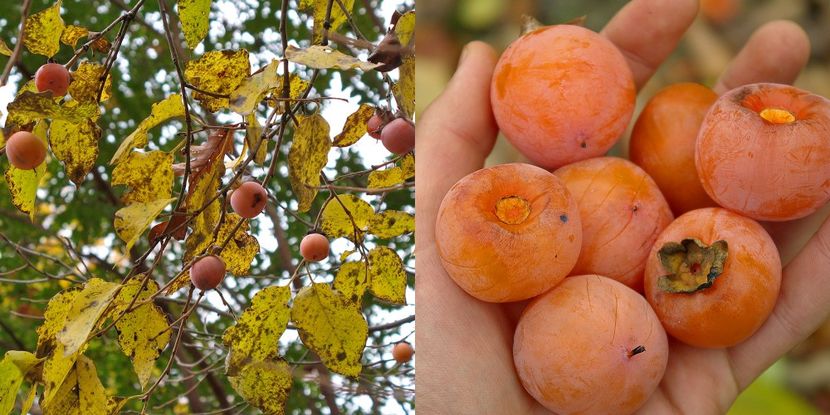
(613, 256)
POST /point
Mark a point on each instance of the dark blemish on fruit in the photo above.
(563, 218)
(637, 350)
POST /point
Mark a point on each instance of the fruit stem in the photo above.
(512, 210)
(637, 350)
(777, 116)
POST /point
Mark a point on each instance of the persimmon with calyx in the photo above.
(663, 143)
(763, 151)
(508, 232)
(249, 199)
(314, 247)
(207, 272)
(713, 277)
(561, 94)
(374, 126)
(398, 136)
(590, 345)
(622, 212)
(52, 77)
(25, 150)
(402, 352)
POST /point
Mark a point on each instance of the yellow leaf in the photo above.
(71, 34)
(387, 276)
(86, 310)
(86, 80)
(317, 9)
(245, 98)
(307, 157)
(217, 72)
(170, 107)
(337, 221)
(265, 385)
(131, 221)
(297, 87)
(91, 393)
(203, 188)
(256, 334)
(242, 247)
(404, 89)
(13, 368)
(4, 49)
(143, 332)
(66, 400)
(194, 15)
(23, 186)
(253, 137)
(30, 399)
(324, 57)
(42, 31)
(405, 28)
(57, 365)
(351, 280)
(379, 179)
(355, 126)
(391, 223)
(29, 107)
(149, 175)
(332, 327)
(76, 145)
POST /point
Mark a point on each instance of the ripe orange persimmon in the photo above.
(562, 94)
(249, 199)
(314, 247)
(25, 151)
(207, 272)
(398, 136)
(622, 212)
(713, 277)
(52, 77)
(663, 143)
(590, 346)
(763, 152)
(508, 232)
(402, 352)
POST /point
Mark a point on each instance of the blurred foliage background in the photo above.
(800, 382)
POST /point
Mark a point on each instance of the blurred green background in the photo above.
(800, 382)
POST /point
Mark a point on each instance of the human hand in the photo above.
(465, 362)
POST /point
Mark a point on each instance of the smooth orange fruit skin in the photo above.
(314, 247)
(249, 199)
(573, 348)
(561, 94)
(402, 352)
(207, 272)
(622, 212)
(25, 151)
(663, 143)
(520, 255)
(53, 77)
(739, 300)
(764, 170)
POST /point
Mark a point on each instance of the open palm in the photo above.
(465, 361)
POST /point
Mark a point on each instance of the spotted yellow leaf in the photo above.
(72, 34)
(307, 157)
(203, 188)
(143, 332)
(4, 48)
(170, 107)
(245, 98)
(86, 310)
(131, 221)
(352, 280)
(332, 327)
(241, 248)
(297, 87)
(346, 215)
(76, 146)
(23, 186)
(65, 399)
(42, 31)
(379, 179)
(86, 81)
(317, 9)
(324, 57)
(253, 138)
(355, 126)
(386, 275)
(404, 89)
(405, 28)
(30, 399)
(391, 223)
(149, 176)
(264, 384)
(29, 107)
(256, 334)
(194, 15)
(57, 365)
(217, 72)
(13, 368)
(91, 393)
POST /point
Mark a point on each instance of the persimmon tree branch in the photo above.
(24, 14)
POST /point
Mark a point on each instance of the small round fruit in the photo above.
(508, 232)
(720, 11)
(622, 212)
(314, 247)
(763, 152)
(663, 143)
(373, 126)
(561, 94)
(398, 136)
(207, 272)
(25, 151)
(402, 352)
(713, 277)
(52, 77)
(590, 346)
(249, 199)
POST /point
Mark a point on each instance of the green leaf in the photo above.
(307, 157)
(256, 334)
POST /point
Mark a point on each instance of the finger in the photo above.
(803, 304)
(776, 52)
(647, 31)
(455, 134)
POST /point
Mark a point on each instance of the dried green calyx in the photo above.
(692, 265)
